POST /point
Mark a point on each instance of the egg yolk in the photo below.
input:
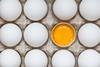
(63, 34)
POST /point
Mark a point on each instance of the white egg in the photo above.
(64, 9)
(36, 34)
(10, 10)
(63, 58)
(89, 58)
(10, 58)
(0, 60)
(35, 9)
(36, 58)
(89, 35)
(10, 35)
(89, 9)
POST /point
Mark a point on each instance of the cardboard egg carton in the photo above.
(50, 20)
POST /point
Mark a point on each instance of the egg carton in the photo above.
(50, 20)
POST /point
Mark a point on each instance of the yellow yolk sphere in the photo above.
(63, 34)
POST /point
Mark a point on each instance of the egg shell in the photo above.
(35, 9)
(89, 58)
(63, 34)
(10, 10)
(64, 9)
(36, 58)
(10, 34)
(10, 58)
(63, 58)
(89, 35)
